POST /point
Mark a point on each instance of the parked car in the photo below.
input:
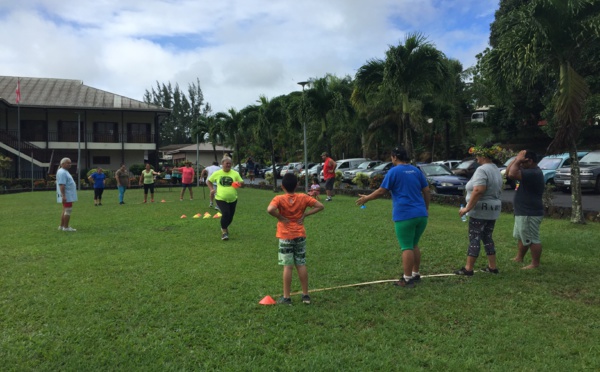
(549, 164)
(313, 170)
(278, 168)
(451, 164)
(508, 182)
(345, 164)
(349, 174)
(242, 172)
(466, 168)
(589, 168)
(291, 167)
(381, 169)
(442, 180)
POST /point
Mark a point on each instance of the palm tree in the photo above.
(232, 129)
(548, 35)
(271, 118)
(411, 69)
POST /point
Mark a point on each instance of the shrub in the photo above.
(376, 181)
(269, 178)
(361, 180)
(338, 179)
(39, 184)
(138, 168)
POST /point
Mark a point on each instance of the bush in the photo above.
(376, 181)
(338, 179)
(269, 178)
(39, 184)
(138, 168)
(361, 180)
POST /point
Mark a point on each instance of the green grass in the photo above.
(139, 288)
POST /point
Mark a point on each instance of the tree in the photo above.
(411, 69)
(186, 111)
(232, 129)
(271, 119)
(546, 37)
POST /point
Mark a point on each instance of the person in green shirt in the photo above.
(147, 179)
(226, 195)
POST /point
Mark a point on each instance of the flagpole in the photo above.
(19, 127)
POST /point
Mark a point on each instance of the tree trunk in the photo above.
(576, 205)
(447, 140)
(274, 174)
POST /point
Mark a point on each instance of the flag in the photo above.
(18, 91)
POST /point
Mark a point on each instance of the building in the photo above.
(57, 118)
(203, 152)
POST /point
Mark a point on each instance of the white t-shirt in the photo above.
(210, 170)
(63, 177)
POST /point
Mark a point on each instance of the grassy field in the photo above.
(139, 288)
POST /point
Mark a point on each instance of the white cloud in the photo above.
(238, 49)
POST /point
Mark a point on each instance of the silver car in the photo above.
(349, 174)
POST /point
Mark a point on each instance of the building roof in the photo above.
(66, 93)
(206, 146)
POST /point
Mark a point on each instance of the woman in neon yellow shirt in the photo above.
(147, 178)
(228, 181)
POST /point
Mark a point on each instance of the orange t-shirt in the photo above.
(292, 207)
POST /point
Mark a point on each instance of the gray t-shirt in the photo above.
(489, 205)
(528, 198)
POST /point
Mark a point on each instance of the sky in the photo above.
(237, 49)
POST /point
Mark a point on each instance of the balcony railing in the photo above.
(102, 137)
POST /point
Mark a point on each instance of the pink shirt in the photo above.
(187, 174)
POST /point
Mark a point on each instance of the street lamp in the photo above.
(430, 121)
(303, 83)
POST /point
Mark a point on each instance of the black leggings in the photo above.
(98, 193)
(481, 231)
(148, 186)
(227, 211)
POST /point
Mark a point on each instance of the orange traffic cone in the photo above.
(163, 201)
(217, 215)
(268, 300)
(197, 215)
(183, 216)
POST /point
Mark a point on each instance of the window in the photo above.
(138, 133)
(33, 130)
(101, 160)
(106, 132)
(67, 131)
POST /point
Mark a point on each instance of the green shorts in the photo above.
(527, 229)
(409, 232)
(292, 252)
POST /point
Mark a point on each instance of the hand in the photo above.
(521, 156)
(361, 201)
(462, 211)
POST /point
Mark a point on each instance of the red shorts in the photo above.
(67, 204)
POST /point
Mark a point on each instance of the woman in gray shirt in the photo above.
(483, 208)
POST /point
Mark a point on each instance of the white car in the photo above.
(291, 167)
(449, 163)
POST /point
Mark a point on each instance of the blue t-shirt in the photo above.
(405, 183)
(98, 180)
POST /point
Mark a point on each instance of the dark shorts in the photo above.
(148, 186)
(329, 183)
(188, 185)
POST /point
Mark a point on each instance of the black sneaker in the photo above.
(410, 283)
(464, 271)
(305, 299)
(284, 301)
(121, 203)
(416, 278)
(225, 236)
(488, 269)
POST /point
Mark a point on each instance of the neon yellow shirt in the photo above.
(148, 176)
(223, 179)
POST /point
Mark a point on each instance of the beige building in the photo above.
(58, 118)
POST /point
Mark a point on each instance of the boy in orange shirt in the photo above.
(290, 209)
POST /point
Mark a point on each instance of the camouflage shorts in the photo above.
(292, 252)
